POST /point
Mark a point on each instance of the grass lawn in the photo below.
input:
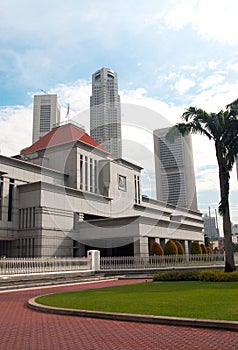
(208, 300)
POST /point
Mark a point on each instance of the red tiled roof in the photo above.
(60, 135)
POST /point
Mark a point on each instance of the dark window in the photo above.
(81, 171)
(10, 197)
(1, 196)
(86, 173)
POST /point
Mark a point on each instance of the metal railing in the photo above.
(153, 262)
(42, 265)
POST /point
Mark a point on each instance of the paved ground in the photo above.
(25, 329)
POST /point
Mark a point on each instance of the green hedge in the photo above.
(196, 275)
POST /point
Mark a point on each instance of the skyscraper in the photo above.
(46, 114)
(174, 168)
(105, 111)
(210, 227)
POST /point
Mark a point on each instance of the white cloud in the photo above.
(16, 129)
(211, 19)
(183, 85)
(211, 81)
(216, 97)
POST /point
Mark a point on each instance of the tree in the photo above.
(180, 248)
(222, 128)
(170, 248)
(156, 249)
(196, 248)
(204, 248)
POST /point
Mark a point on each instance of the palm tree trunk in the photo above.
(229, 253)
(224, 209)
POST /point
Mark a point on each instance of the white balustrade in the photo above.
(41, 265)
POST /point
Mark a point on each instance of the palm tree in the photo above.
(222, 128)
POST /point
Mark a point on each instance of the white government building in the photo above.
(66, 194)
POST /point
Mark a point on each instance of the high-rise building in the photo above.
(210, 227)
(46, 114)
(105, 111)
(174, 168)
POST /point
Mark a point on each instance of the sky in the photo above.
(168, 54)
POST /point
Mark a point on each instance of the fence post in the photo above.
(94, 255)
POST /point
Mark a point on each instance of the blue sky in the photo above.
(168, 54)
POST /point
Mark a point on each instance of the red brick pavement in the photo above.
(25, 329)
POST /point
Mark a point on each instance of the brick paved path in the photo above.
(25, 329)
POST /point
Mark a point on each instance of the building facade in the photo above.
(174, 169)
(66, 194)
(234, 230)
(105, 111)
(46, 114)
(210, 228)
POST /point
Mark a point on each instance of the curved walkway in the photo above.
(25, 329)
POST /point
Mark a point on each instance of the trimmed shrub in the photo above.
(209, 250)
(180, 248)
(174, 275)
(166, 276)
(170, 248)
(156, 249)
(218, 276)
(196, 275)
(195, 248)
(204, 248)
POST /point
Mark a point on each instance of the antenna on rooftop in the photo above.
(67, 114)
(44, 92)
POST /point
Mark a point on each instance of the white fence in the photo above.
(95, 263)
(42, 265)
(153, 262)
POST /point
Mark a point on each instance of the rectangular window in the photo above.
(1, 196)
(81, 171)
(30, 217)
(33, 217)
(27, 218)
(121, 183)
(138, 188)
(91, 175)
(86, 173)
(10, 198)
(135, 186)
(95, 177)
(45, 113)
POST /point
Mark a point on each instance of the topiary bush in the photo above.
(156, 249)
(204, 248)
(209, 250)
(170, 248)
(195, 248)
(180, 248)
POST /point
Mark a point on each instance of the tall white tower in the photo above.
(46, 114)
(105, 111)
(174, 169)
